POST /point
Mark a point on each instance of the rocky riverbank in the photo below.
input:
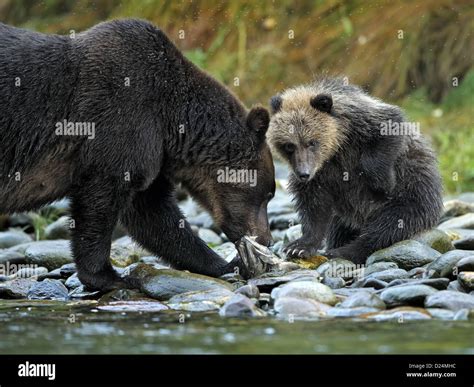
(429, 277)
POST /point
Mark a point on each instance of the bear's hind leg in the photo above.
(339, 233)
(95, 207)
(394, 222)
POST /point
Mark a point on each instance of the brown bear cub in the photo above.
(113, 118)
(362, 177)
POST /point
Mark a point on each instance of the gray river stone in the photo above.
(209, 237)
(13, 238)
(292, 234)
(406, 254)
(444, 265)
(400, 314)
(389, 275)
(351, 312)
(73, 282)
(448, 299)
(456, 286)
(50, 254)
(59, 229)
(338, 267)
(362, 299)
(250, 291)
(466, 280)
(436, 239)
(11, 257)
(454, 208)
(466, 243)
(134, 306)
(370, 282)
(306, 290)
(441, 314)
(240, 306)
(463, 221)
(268, 281)
(407, 295)
(200, 301)
(334, 282)
(465, 264)
(48, 289)
(28, 272)
(293, 308)
(166, 283)
(437, 283)
(378, 266)
(16, 289)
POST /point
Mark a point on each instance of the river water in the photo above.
(54, 327)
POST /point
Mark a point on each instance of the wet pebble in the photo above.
(17, 288)
(389, 275)
(441, 314)
(448, 299)
(370, 282)
(436, 239)
(400, 314)
(456, 286)
(466, 280)
(250, 291)
(48, 290)
(350, 312)
(463, 221)
(437, 283)
(306, 290)
(73, 282)
(454, 208)
(406, 254)
(294, 308)
(166, 283)
(444, 265)
(240, 306)
(465, 264)
(362, 299)
(338, 267)
(267, 282)
(209, 237)
(466, 243)
(378, 266)
(59, 229)
(407, 295)
(334, 282)
(50, 254)
(12, 238)
(133, 306)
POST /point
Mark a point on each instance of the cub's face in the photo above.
(303, 131)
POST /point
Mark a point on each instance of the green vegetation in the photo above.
(404, 51)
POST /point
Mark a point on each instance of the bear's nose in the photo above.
(303, 176)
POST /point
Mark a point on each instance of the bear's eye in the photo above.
(312, 143)
(270, 196)
(289, 148)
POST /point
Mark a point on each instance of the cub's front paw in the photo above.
(300, 249)
(351, 254)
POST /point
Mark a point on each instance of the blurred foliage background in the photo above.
(418, 54)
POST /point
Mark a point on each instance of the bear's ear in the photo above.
(275, 103)
(322, 102)
(258, 120)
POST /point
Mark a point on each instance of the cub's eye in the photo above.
(289, 148)
(312, 143)
(270, 196)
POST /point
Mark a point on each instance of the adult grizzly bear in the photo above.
(113, 118)
(362, 178)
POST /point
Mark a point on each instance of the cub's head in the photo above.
(304, 131)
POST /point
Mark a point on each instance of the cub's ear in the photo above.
(322, 102)
(258, 120)
(275, 103)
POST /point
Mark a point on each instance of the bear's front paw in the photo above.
(351, 254)
(300, 248)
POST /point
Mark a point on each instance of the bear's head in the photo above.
(236, 192)
(304, 131)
